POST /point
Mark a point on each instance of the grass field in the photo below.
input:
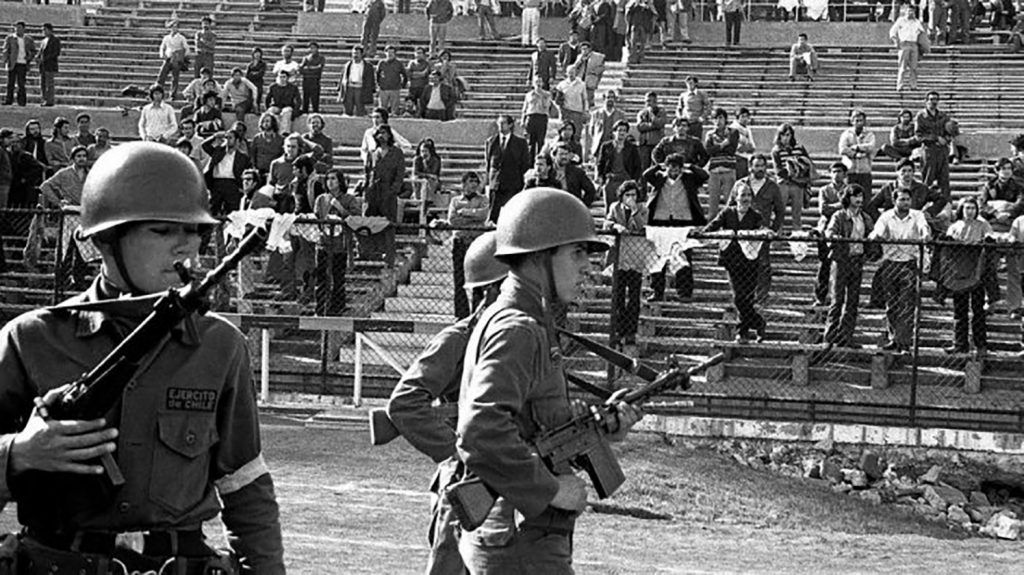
(349, 508)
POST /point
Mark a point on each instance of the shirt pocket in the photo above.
(498, 530)
(181, 460)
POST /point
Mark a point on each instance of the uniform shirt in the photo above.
(157, 121)
(435, 374)
(65, 185)
(188, 426)
(512, 386)
(857, 161)
(891, 226)
(171, 43)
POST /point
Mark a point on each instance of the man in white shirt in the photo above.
(287, 64)
(572, 100)
(240, 93)
(899, 269)
(746, 148)
(905, 33)
(857, 148)
(173, 50)
(157, 122)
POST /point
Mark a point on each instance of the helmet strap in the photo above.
(551, 295)
(122, 269)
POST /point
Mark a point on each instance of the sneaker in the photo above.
(955, 349)
(890, 346)
(742, 337)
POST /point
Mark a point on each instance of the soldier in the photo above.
(185, 435)
(435, 375)
(513, 386)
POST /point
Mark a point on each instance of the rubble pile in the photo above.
(980, 493)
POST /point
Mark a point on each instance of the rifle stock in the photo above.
(383, 430)
(579, 444)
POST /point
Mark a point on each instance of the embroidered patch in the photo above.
(184, 399)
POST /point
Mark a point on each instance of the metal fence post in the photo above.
(614, 318)
(917, 335)
(264, 365)
(58, 264)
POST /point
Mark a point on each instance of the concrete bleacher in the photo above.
(234, 15)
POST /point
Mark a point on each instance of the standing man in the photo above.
(287, 63)
(84, 137)
(732, 12)
(417, 72)
(157, 121)
(60, 144)
(64, 189)
(437, 99)
(466, 210)
(938, 20)
(311, 69)
(569, 50)
(640, 21)
(857, 148)
(513, 386)
(931, 127)
(905, 33)
(543, 64)
(391, 78)
(898, 270)
(206, 44)
(173, 51)
(376, 11)
(847, 269)
(680, 142)
(506, 158)
(746, 148)
(6, 165)
(694, 107)
(485, 10)
(767, 201)
(721, 144)
(679, 18)
(590, 68)
(530, 21)
(19, 50)
(357, 85)
(573, 101)
(439, 13)
(602, 122)
(829, 202)
(144, 208)
(224, 172)
(49, 56)
(618, 160)
(650, 123)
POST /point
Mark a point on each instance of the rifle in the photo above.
(384, 431)
(578, 444)
(95, 393)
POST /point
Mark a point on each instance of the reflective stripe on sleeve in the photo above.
(242, 476)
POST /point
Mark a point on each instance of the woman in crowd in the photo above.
(738, 262)
(794, 171)
(963, 274)
(627, 217)
(426, 169)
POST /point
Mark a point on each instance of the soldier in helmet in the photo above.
(435, 376)
(513, 386)
(185, 433)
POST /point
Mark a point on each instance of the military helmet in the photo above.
(143, 181)
(538, 219)
(480, 266)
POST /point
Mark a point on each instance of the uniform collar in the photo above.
(99, 305)
(523, 294)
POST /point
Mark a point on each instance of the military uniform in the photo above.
(513, 387)
(436, 373)
(188, 433)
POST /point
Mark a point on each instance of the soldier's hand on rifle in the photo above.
(62, 446)
(622, 418)
(572, 493)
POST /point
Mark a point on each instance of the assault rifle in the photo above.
(95, 393)
(384, 431)
(580, 443)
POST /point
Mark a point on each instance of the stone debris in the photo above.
(932, 475)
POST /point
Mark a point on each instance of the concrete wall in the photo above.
(34, 15)
(414, 27)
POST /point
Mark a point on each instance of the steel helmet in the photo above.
(537, 219)
(480, 265)
(143, 181)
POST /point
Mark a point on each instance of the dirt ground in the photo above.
(350, 508)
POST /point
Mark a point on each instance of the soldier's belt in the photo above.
(156, 543)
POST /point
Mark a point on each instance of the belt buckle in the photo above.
(132, 540)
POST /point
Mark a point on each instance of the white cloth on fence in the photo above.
(799, 249)
(750, 248)
(279, 238)
(669, 245)
(239, 220)
(86, 248)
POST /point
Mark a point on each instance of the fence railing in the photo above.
(909, 333)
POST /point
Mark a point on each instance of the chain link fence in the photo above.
(919, 333)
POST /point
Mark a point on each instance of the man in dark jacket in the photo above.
(224, 171)
(680, 142)
(437, 100)
(674, 203)
(650, 123)
(847, 267)
(358, 84)
(766, 201)
(19, 50)
(506, 158)
(572, 178)
(543, 64)
(618, 160)
(49, 53)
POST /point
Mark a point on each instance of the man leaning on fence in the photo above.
(899, 268)
(674, 202)
(846, 259)
(466, 210)
(628, 218)
(63, 190)
(767, 201)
